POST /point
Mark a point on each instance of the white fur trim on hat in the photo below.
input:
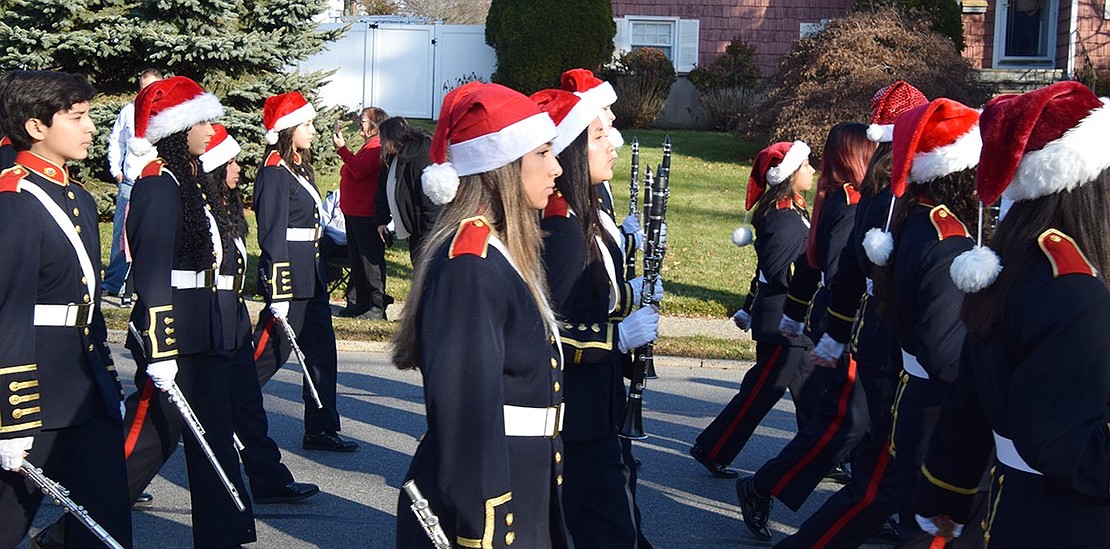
(303, 114)
(795, 156)
(1071, 161)
(742, 236)
(220, 154)
(137, 162)
(440, 182)
(962, 154)
(975, 269)
(880, 133)
(603, 94)
(180, 117)
(878, 244)
(494, 150)
(615, 137)
(581, 115)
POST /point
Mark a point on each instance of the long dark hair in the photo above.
(284, 147)
(197, 244)
(581, 194)
(844, 161)
(395, 133)
(1079, 213)
(877, 178)
(226, 204)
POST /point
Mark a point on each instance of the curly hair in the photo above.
(197, 243)
(226, 204)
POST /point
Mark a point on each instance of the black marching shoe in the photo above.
(145, 499)
(841, 473)
(352, 312)
(755, 508)
(331, 442)
(716, 469)
(294, 491)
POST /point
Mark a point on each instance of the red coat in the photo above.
(358, 178)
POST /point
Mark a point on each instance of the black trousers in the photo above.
(155, 426)
(597, 501)
(777, 367)
(836, 425)
(311, 321)
(88, 460)
(367, 254)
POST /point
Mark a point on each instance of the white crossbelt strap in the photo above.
(301, 234)
(870, 287)
(610, 266)
(1007, 453)
(217, 242)
(547, 314)
(526, 421)
(610, 226)
(67, 228)
(310, 188)
(912, 366)
(762, 279)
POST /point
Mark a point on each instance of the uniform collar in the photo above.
(787, 202)
(297, 158)
(43, 167)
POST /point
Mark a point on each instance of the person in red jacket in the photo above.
(358, 184)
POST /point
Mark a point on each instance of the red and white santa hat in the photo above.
(571, 113)
(168, 106)
(221, 150)
(285, 111)
(887, 104)
(583, 83)
(930, 142)
(773, 166)
(481, 127)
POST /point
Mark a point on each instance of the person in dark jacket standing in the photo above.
(288, 205)
(400, 197)
(358, 188)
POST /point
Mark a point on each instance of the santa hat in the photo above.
(887, 104)
(285, 111)
(481, 127)
(1035, 144)
(571, 113)
(930, 142)
(221, 150)
(166, 107)
(774, 165)
(583, 83)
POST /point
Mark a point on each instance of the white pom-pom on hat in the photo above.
(742, 236)
(271, 137)
(975, 269)
(879, 245)
(440, 182)
(880, 133)
(139, 146)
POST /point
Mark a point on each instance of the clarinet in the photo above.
(663, 179)
(424, 514)
(60, 495)
(633, 207)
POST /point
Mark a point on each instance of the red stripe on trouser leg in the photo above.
(140, 418)
(868, 497)
(264, 338)
(841, 412)
(747, 403)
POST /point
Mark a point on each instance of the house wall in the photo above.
(1094, 35)
(979, 38)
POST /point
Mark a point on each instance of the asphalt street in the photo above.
(382, 408)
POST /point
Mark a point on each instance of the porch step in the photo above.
(1018, 80)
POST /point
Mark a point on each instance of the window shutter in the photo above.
(686, 56)
(622, 40)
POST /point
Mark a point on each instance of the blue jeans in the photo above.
(118, 266)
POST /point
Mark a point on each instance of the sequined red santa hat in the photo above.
(930, 142)
(481, 127)
(222, 148)
(1035, 144)
(285, 111)
(583, 83)
(571, 113)
(887, 104)
(166, 107)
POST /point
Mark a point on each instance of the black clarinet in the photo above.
(633, 208)
(663, 179)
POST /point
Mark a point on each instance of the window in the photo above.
(654, 34)
(676, 38)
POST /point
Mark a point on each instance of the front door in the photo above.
(1025, 33)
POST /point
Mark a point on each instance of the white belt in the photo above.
(1007, 453)
(63, 315)
(297, 234)
(229, 282)
(526, 421)
(870, 287)
(912, 366)
(188, 280)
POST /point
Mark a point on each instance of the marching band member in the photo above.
(780, 174)
(294, 282)
(479, 328)
(60, 389)
(1034, 385)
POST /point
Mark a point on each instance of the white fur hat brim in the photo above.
(219, 155)
(798, 153)
(1071, 161)
(202, 108)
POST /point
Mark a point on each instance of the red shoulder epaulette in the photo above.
(557, 206)
(154, 168)
(472, 238)
(273, 159)
(1064, 254)
(851, 194)
(946, 223)
(5, 141)
(10, 178)
(785, 203)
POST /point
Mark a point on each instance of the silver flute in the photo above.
(191, 419)
(300, 358)
(424, 514)
(60, 495)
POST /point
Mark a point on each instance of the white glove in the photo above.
(638, 329)
(280, 309)
(663, 234)
(933, 526)
(12, 452)
(827, 352)
(162, 373)
(790, 327)
(742, 319)
(631, 226)
(638, 289)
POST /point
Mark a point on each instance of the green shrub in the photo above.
(729, 87)
(642, 79)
